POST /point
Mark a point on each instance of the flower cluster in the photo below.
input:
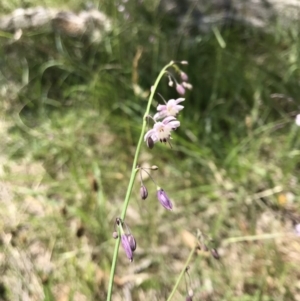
(207, 244)
(128, 242)
(180, 87)
(161, 194)
(165, 119)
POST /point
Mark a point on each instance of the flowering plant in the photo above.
(165, 122)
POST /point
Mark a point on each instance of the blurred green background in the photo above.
(71, 114)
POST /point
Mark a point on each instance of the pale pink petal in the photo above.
(174, 124)
(178, 100)
(159, 115)
(161, 107)
(149, 134)
(168, 119)
(179, 107)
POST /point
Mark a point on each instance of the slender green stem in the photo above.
(132, 177)
(182, 273)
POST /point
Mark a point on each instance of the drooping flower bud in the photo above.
(180, 89)
(150, 142)
(115, 235)
(132, 242)
(163, 199)
(187, 85)
(184, 77)
(205, 247)
(215, 253)
(143, 192)
(127, 247)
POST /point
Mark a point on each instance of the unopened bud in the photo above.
(126, 246)
(188, 298)
(187, 85)
(115, 235)
(204, 247)
(184, 76)
(164, 199)
(132, 242)
(184, 63)
(154, 167)
(118, 221)
(171, 83)
(180, 89)
(143, 192)
(191, 293)
(150, 143)
(215, 253)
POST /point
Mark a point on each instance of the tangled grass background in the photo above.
(71, 108)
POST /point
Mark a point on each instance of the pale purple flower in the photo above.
(127, 247)
(162, 130)
(180, 89)
(163, 199)
(297, 120)
(171, 108)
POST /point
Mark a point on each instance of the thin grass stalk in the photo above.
(181, 273)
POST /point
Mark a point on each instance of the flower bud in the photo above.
(188, 298)
(132, 242)
(143, 192)
(184, 63)
(187, 85)
(184, 76)
(180, 89)
(150, 143)
(205, 248)
(170, 83)
(154, 167)
(127, 247)
(163, 199)
(115, 235)
(118, 221)
(215, 253)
